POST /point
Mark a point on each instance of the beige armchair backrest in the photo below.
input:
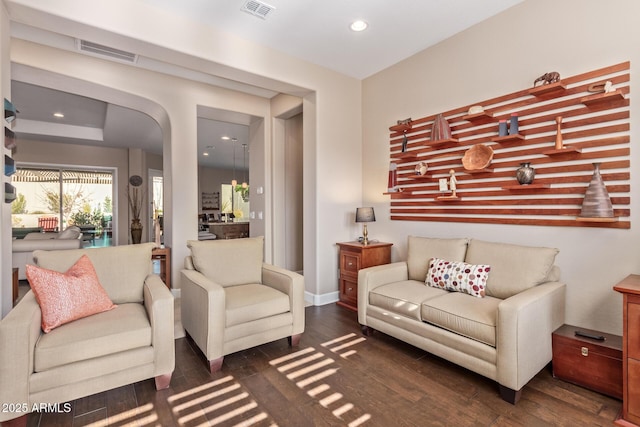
(124, 283)
(229, 262)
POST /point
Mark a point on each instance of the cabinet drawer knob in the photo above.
(350, 264)
(584, 351)
(350, 289)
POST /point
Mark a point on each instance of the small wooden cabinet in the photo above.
(630, 289)
(591, 363)
(355, 256)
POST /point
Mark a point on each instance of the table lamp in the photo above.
(365, 215)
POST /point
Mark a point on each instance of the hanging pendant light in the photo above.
(244, 166)
(234, 182)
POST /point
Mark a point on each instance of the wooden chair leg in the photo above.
(510, 395)
(216, 364)
(366, 330)
(163, 381)
(16, 422)
(294, 340)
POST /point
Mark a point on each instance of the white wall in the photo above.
(332, 132)
(499, 56)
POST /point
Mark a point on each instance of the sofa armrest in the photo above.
(524, 324)
(19, 331)
(203, 312)
(292, 284)
(158, 301)
(372, 277)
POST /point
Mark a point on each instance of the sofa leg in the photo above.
(216, 364)
(367, 331)
(294, 340)
(163, 381)
(16, 422)
(509, 395)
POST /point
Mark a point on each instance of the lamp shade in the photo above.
(365, 215)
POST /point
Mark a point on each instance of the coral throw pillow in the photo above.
(458, 276)
(65, 297)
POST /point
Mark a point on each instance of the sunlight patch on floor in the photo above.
(309, 367)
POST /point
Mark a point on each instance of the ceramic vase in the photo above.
(136, 231)
(440, 129)
(596, 203)
(525, 174)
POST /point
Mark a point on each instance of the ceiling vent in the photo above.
(106, 51)
(257, 8)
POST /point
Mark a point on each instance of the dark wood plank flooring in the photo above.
(336, 377)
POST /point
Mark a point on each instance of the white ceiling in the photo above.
(315, 31)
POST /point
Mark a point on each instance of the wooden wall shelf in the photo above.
(508, 139)
(483, 117)
(442, 142)
(553, 88)
(564, 150)
(525, 187)
(595, 128)
(401, 128)
(600, 98)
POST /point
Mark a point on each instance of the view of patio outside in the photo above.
(53, 199)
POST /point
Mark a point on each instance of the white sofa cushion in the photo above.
(404, 297)
(229, 262)
(252, 302)
(123, 328)
(420, 250)
(465, 315)
(514, 268)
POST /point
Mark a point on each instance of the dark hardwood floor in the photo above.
(336, 377)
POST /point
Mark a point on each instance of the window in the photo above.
(54, 198)
(236, 202)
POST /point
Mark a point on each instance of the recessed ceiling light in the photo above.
(59, 115)
(205, 154)
(358, 25)
(225, 138)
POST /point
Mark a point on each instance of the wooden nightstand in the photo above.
(592, 363)
(629, 287)
(355, 256)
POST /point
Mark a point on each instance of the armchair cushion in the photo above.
(246, 303)
(125, 328)
(221, 260)
(420, 250)
(65, 297)
(123, 283)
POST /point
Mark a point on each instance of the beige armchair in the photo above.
(130, 343)
(232, 301)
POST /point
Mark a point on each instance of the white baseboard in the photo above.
(323, 299)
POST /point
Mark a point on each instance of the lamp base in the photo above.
(365, 235)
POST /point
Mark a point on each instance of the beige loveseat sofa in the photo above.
(505, 336)
(129, 343)
(22, 249)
